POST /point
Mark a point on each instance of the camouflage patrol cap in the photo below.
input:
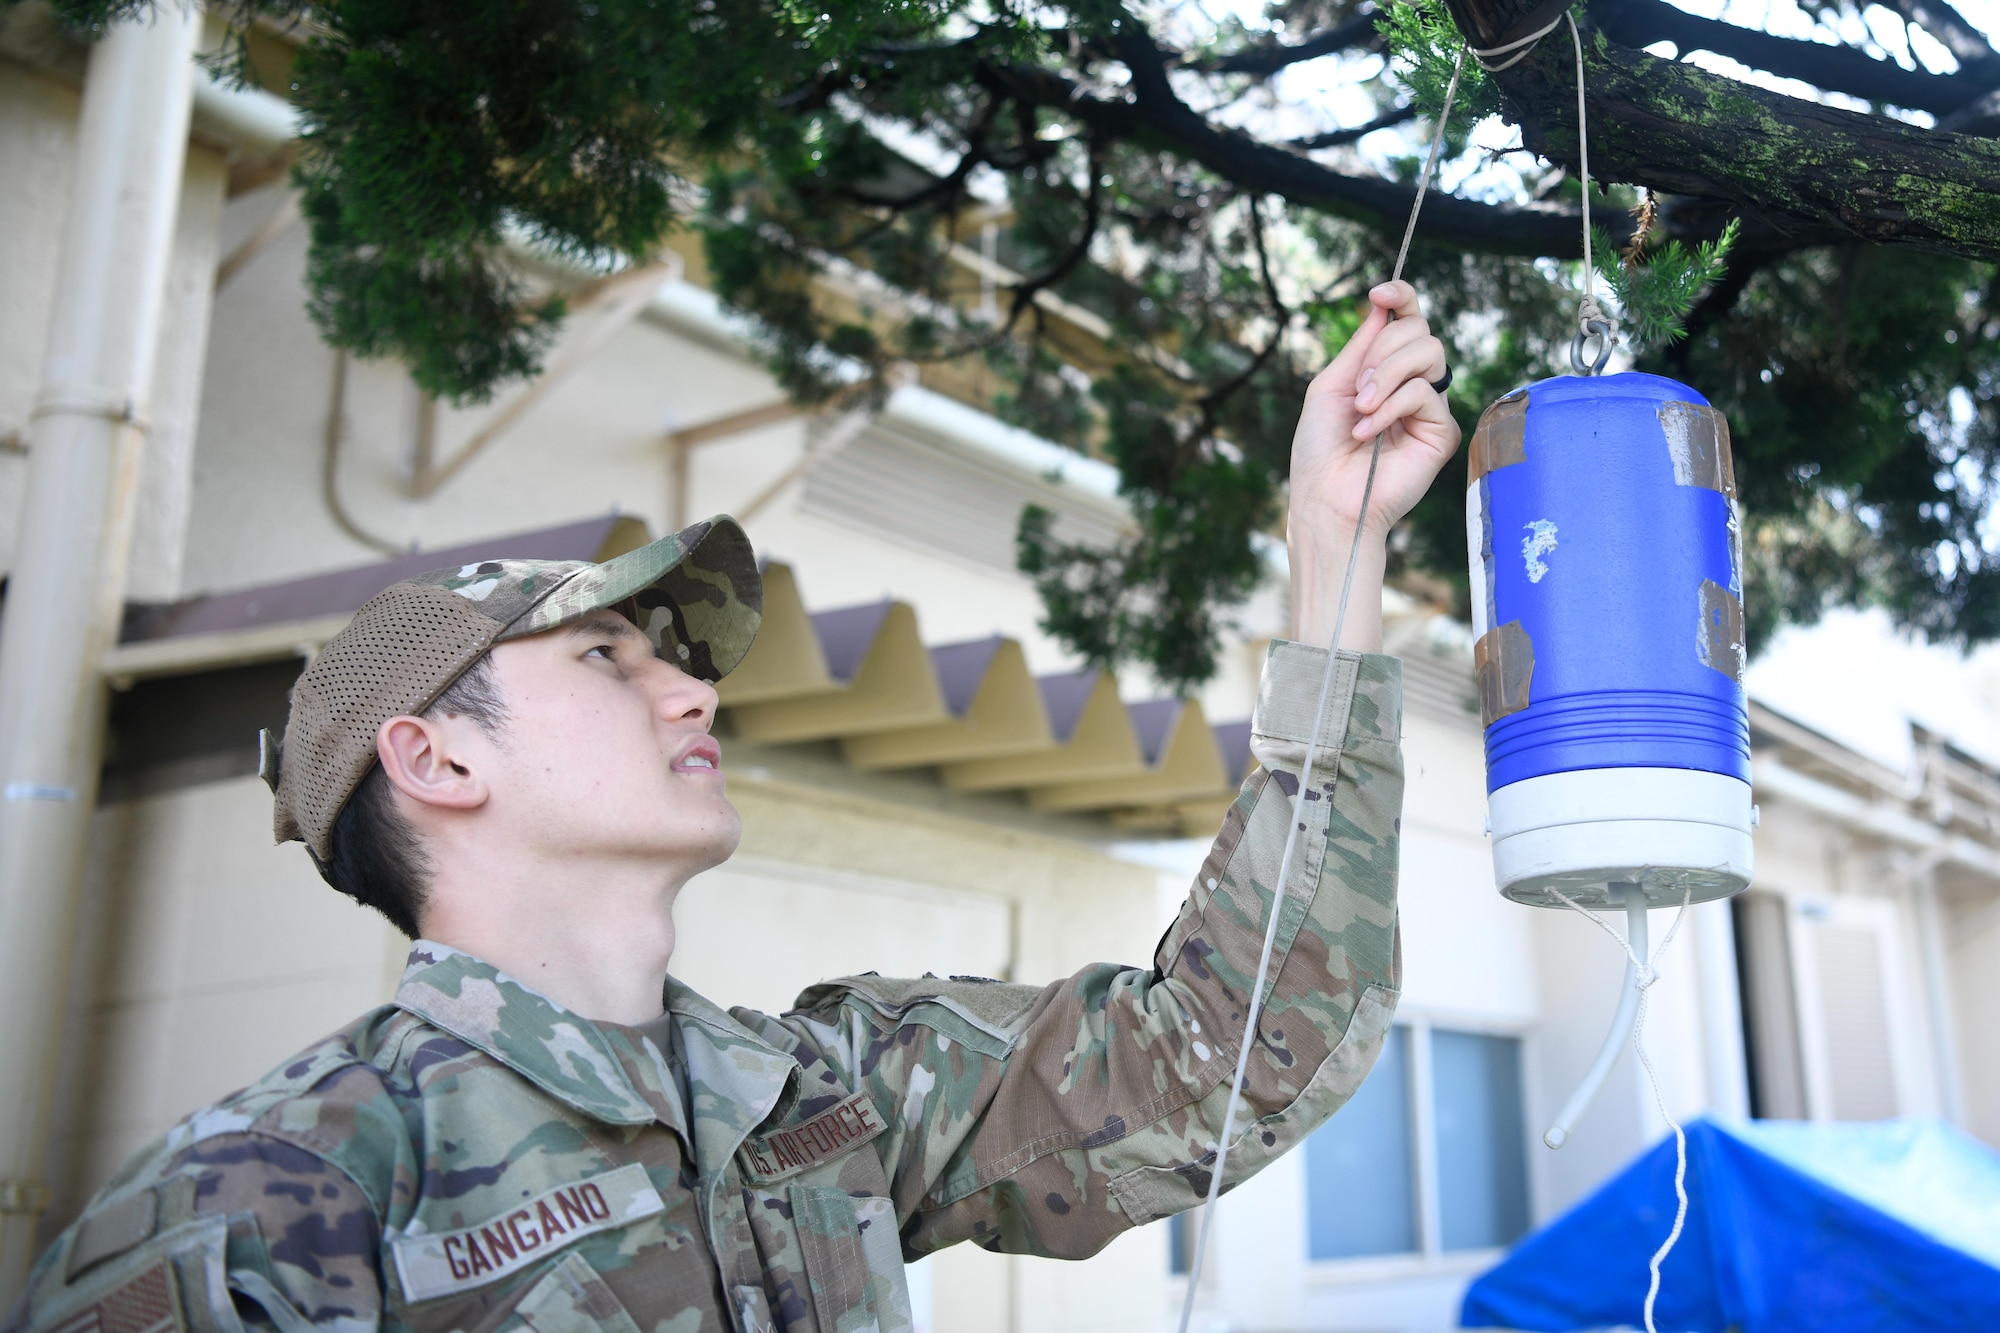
(697, 595)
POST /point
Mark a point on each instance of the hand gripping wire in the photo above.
(1256, 1005)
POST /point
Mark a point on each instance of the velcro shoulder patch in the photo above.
(109, 1231)
(832, 1133)
(440, 1263)
(985, 1015)
(146, 1303)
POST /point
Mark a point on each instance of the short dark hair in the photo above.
(378, 860)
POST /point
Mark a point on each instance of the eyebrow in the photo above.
(615, 626)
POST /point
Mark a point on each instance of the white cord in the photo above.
(1644, 975)
(1588, 309)
(1306, 769)
(1520, 46)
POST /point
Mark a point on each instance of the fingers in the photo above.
(1419, 408)
(1342, 372)
(1377, 337)
(1399, 298)
(1418, 358)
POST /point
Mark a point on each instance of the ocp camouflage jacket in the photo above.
(475, 1157)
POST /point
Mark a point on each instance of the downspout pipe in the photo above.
(65, 594)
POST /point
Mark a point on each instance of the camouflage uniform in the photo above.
(472, 1156)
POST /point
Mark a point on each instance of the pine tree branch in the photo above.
(1809, 173)
(1155, 116)
(1335, 138)
(1638, 23)
(1358, 33)
(1968, 45)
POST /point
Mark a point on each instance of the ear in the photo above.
(419, 758)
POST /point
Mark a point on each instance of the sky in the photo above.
(1325, 94)
(1854, 678)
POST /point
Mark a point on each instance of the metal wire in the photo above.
(1305, 771)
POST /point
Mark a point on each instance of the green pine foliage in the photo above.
(1656, 294)
(1862, 387)
(1423, 46)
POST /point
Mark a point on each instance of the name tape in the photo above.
(829, 1134)
(443, 1262)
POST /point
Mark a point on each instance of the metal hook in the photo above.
(1592, 328)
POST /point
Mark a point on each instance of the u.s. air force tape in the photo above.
(840, 1129)
(439, 1263)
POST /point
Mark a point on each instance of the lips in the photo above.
(702, 755)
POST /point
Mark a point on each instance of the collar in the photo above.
(559, 1052)
(736, 1079)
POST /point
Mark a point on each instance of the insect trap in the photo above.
(1607, 601)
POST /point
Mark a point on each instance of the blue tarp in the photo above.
(1851, 1228)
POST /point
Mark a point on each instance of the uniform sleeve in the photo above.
(1047, 1120)
(312, 1234)
(237, 1230)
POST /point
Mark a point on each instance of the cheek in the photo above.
(591, 746)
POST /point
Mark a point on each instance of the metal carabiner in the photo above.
(1592, 328)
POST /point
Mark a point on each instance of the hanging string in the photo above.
(1587, 311)
(1520, 46)
(1590, 318)
(1644, 974)
(1305, 771)
(1430, 168)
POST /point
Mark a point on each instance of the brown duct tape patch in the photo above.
(1719, 640)
(1504, 658)
(1698, 443)
(1499, 440)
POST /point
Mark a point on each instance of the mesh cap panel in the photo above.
(401, 650)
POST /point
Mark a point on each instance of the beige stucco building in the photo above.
(927, 781)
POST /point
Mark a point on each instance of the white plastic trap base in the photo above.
(1668, 830)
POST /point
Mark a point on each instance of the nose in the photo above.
(683, 699)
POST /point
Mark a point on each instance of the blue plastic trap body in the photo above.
(1607, 581)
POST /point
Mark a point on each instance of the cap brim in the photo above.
(698, 597)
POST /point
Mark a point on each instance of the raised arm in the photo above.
(1046, 1120)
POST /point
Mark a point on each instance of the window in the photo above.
(1482, 1159)
(1360, 1177)
(1183, 1233)
(1429, 1157)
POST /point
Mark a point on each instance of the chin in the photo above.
(717, 838)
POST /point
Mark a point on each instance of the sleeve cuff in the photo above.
(1289, 694)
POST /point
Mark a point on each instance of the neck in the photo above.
(595, 938)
